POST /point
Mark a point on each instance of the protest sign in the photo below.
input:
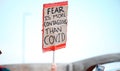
(54, 27)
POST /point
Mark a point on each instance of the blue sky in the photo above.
(93, 29)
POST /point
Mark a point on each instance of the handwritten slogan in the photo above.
(55, 25)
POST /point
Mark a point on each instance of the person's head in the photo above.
(0, 52)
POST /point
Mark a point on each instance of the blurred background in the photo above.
(93, 30)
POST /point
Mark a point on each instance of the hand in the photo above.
(53, 67)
